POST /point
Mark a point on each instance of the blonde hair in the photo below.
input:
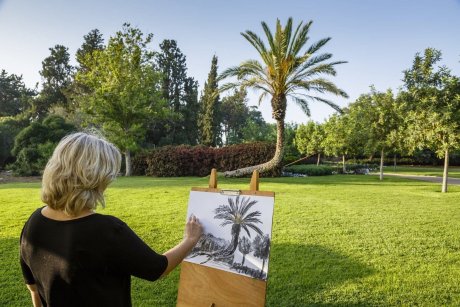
(78, 172)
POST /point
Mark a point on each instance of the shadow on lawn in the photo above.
(299, 273)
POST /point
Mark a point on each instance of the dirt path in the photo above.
(435, 179)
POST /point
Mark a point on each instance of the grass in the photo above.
(454, 171)
(337, 240)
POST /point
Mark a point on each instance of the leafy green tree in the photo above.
(342, 137)
(380, 116)
(433, 105)
(14, 95)
(210, 107)
(93, 41)
(256, 129)
(285, 71)
(125, 90)
(57, 75)
(34, 145)
(309, 139)
(181, 93)
(235, 112)
(9, 129)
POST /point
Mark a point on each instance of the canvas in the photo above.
(236, 232)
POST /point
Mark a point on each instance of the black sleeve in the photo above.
(26, 272)
(132, 256)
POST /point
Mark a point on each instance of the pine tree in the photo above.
(209, 117)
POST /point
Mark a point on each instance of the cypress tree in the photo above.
(209, 117)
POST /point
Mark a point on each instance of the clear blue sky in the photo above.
(378, 38)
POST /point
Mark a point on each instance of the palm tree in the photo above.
(261, 246)
(236, 213)
(244, 246)
(285, 71)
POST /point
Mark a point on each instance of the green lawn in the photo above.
(454, 171)
(337, 240)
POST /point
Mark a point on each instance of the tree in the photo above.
(93, 41)
(234, 115)
(34, 145)
(342, 137)
(14, 95)
(244, 246)
(309, 139)
(125, 90)
(57, 76)
(181, 93)
(256, 129)
(285, 71)
(379, 115)
(237, 214)
(433, 105)
(209, 116)
(261, 247)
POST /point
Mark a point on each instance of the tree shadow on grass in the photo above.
(13, 291)
(299, 273)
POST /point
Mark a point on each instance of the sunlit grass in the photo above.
(337, 240)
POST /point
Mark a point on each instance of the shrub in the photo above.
(185, 160)
(310, 170)
(34, 145)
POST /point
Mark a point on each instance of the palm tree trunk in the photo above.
(128, 163)
(319, 159)
(262, 270)
(244, 256)
(381, 164)
(446, 171)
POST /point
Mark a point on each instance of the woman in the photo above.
(72, 256)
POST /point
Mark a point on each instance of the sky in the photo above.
(378, 39)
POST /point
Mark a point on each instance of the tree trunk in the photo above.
(278, 113)
(446, 171)
(343, 164)
(394, 163)
(262, 270)
(128, 163)
(381, 164)
(319, 159)
(244, 256)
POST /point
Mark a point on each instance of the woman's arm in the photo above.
(35, 296)
(175, 255)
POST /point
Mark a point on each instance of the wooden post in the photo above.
(213, 179)
(254, 185)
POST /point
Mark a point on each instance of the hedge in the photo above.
(185, 160)
(310, 170)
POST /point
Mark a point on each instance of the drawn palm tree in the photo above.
(244, 246)
(237, 213)
(261, 245)
(285, 70)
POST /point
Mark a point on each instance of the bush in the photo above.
(9, 129)
(34, 145)
(310, 170)
(185, 160)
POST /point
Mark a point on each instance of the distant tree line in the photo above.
(423, 116)
(140, 98)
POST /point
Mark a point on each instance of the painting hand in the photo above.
(193, 229)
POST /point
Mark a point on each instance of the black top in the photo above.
(85, 262)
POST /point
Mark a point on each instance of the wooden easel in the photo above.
(204, 286)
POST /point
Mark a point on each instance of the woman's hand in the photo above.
(193, 229)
